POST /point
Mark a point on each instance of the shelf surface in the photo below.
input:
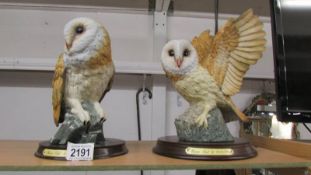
(19, 156)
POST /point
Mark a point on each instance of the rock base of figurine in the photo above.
(108, 148)
(171, 146)
(216, 131)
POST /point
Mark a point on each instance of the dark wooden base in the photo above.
(215, 172)
(109, 148)
(171, 146)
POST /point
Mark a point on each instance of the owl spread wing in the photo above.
(228, 55)
(58, 89)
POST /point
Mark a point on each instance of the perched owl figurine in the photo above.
(210, 69)
(84, 71)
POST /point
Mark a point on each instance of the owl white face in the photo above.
(179, 57)
(82, 34)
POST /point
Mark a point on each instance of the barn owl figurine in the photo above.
(83, 73)
(210, 69)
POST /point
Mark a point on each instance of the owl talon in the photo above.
(100, 111)
(81, 114)
(102, 120)
(86, 123)
(202, 121)
(103, 117)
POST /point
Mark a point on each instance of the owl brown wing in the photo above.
(58, 89)
(236, 46)
(108, 88)
(203, 45)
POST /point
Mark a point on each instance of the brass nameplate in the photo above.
(54, 153)
(209, 151)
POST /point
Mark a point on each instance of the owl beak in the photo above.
(179, 62)
(68, 46)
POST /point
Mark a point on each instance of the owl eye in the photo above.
(79, 29)
(186, 53)
(171, 53)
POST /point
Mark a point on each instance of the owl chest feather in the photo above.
(198, 86)
(87, 84)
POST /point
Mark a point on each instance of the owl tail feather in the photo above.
(56, 114)
(231, 112)
(240, 114)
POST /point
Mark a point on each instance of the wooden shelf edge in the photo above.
(19, 156)
(152, 167)
(291, 147)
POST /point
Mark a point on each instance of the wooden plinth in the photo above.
(171, 146)
(109, 148)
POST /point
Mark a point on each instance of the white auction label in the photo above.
(80, 151)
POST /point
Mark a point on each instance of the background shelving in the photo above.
(35, 32)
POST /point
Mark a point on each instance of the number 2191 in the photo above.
(80, 152)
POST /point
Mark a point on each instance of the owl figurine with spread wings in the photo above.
(84, 71)
(210, 69)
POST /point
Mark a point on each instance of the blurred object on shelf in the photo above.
(263, 119)
(260, 112)
(281, 130)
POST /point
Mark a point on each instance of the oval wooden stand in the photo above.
(109, 148)
(171, 146)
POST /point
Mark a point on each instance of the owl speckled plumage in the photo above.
(84, 71)
(209, 70)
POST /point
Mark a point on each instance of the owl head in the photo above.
(83, 35)
(179, 57)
